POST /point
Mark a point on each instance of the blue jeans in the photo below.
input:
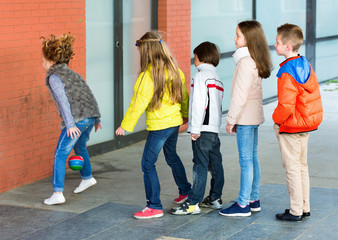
(65, 146)
(247, 141)
(156, 140)
(207, 156)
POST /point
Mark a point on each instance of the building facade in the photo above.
(105, 54)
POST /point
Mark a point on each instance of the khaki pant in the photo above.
(293, 149)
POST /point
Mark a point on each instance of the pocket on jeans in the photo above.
(205, 142)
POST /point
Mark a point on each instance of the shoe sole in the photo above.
(54, 203)
(210, 206)
(236, 214)
(255, 209)
(289, 220)
(85, 188)
(187, 213)
(154, 216)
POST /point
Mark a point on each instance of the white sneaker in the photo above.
(56, 198)
(85, 184)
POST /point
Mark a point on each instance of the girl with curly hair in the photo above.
(77, 108)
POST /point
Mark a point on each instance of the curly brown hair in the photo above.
(58, 50)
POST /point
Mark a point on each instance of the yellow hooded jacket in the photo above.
(168, 115)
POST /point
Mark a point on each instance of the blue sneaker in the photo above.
(255, 206)
(236, 211)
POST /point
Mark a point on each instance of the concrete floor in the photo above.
(105, 210)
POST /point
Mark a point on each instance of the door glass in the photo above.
(100, 63)
(216, 21)
(136, 22)
(272, 14)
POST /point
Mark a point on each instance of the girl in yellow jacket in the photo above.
(160, 91)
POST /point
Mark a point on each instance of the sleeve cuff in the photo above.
(97, 121)
(195, 130)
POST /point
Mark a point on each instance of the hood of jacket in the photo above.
(300, 70)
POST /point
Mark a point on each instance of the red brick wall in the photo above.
(29, 124)
(174, 21)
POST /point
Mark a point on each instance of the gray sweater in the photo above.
(80, 98)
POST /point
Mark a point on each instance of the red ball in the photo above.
(76, 162)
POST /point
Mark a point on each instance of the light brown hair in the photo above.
(292, 34)
(155, 52)
(58, 50)
(258, 46)
(208, 52)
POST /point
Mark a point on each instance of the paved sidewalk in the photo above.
(105, 210)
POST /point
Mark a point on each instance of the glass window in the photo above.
(216, 21)
(326, 60)
(327, 18)
(270, 84)
(136, 22)
(100, 63)
(272, 14)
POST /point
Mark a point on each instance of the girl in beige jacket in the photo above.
(245, 114)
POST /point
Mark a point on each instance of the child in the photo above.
(205, 117)
(253, 63)
(77, 108)
(298, 112)
(160, 91)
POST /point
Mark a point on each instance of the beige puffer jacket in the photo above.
(246, 95)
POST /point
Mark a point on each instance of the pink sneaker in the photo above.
(181, 199)
(148, 213)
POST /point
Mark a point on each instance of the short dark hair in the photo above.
(208, 52)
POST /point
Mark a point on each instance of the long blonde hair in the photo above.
(258, 46)
(155, 52)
